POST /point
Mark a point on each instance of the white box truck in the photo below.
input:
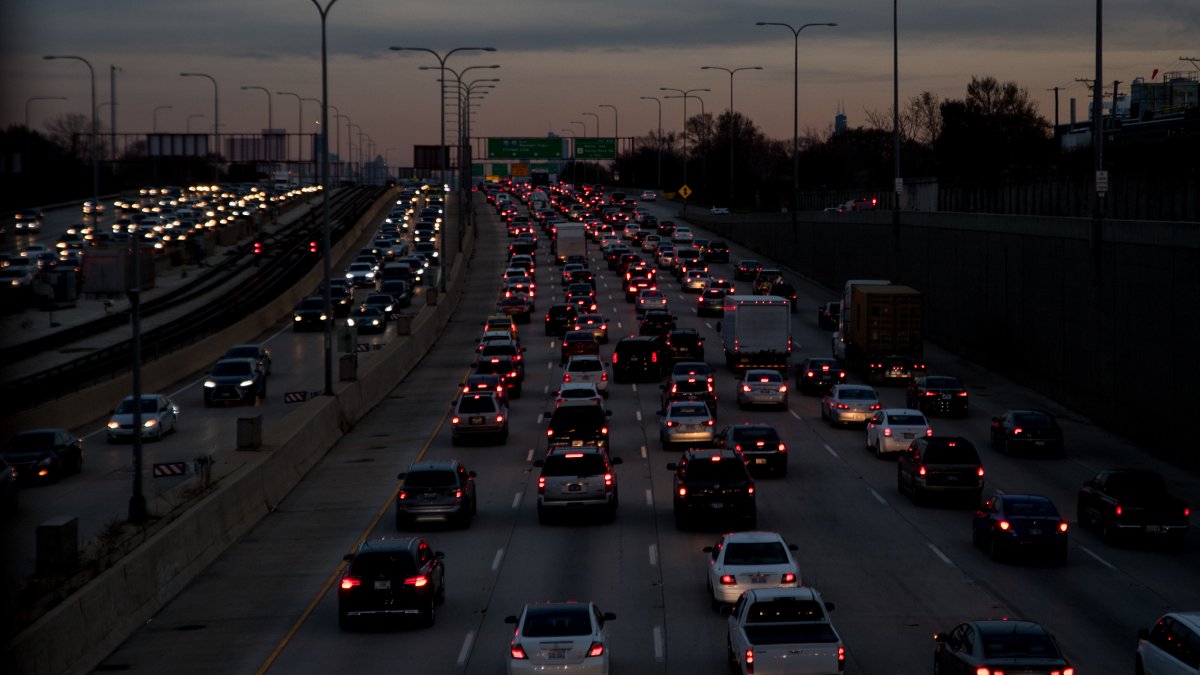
(757, 331)
(569, 239)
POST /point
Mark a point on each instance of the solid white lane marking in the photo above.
(649, 498)
(939, 554)
(878, 497)
(638, 415)
(653, 555)
(658, 643)
(466, 648)
(643, 449)
(795, 414)
(516, 500)
(1098, 559)
(830, 450)
(529, 457)
(496, 560)
(546, 389)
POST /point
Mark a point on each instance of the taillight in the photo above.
(789, 578)
(653, 357)
(403, 495)
(419, 581)
(841, 658)
(604, 377)
(550, 432)
(782, 448)
(745, 388)
(783, 389)
(921, 471)
(566, 377)
(604, 430)
(1004, 525)
(1017, 431)
(728, 580)
(810, 373)
(541, 484)
(1186, 512)
(710, 422)
(517, 651)
(1120, 510)
(979, 472)
(887, 432)
(928, 431)
(454, 420)
(1062, 527)
(614, 359)
(842, 406)
(608, 480)
(750, 661)
(349, 582)
(876, 407)
(671, 423)
(597, 649)
(750, 490)
(499, 419)
(962, 393)
(682, 492)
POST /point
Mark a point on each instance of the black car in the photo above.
(578, 426)
(560, 318)
(1121, 503)
(1008, 524)
(784, 289)
(258, 352)
(384, 302)
(711, 302)
(43, 455)
(828, 315)
(310, 314)
(639, 359)
(399, 290)
(1033, 430)
(1005, 645)
(508, 348)
(943, 465)
(689, 388)
(893, 369)
(9, 501)
(441, 490)
(656, 322)
(747, 270)
(717, 252)
(236, 381)
(391, 578)
(816, 375)
(713, 483)
(504, 366)
(368, 319)
(685, 344)
(938, 394)
(760, 444)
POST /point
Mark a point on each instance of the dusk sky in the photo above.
(561, 58)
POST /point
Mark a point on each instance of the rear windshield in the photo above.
(481, 404)
(1011, 645)
(857, 395)
(585, 365)
(696, 410)
(725, 471)
(752, 434)
(756, 553)
(1029, 508)
(959, 453)
(799, 633)
(907, 420)
(574, 464)
(576, 416)
(386, 565)
(942, 383)
(488, 368)
(699, 386)
(557, 622)
(1136, 484)
(429, 479)
(1033, 420)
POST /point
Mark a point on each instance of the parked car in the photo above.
(1036, 431)
(1007, 525)
(160, 416)
(940, 465)
(43, 455)
(442, 490)
(391, 578)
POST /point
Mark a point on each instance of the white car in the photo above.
(740, 561)
(893, 430)
(560, 637)
(159, 418)
(762, 386)
(361, 274)
(1159, 649)
(590, 369)
(577, 393)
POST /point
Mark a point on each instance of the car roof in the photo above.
(753, 537)
(1013, 626)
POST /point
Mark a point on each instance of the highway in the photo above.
(897, 572)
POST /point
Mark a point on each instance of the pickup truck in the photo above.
(1122, 502)
(783, 630)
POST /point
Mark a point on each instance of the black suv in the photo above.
(578, 426)
(713, 481)
(685, 344)
(938, 394)
(656, 322)
(391, 578)
(717, 252)
(639, 359)
(442, 490)
(947, 465)
(815, 375)
(504, 366)
(560, 318)
(760, 444)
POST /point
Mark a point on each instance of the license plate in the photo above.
(1039, 442)
(951, 479)
(758, 578)
(1154, 529)
(945, 397)
(907, 436)
(575, 488)
(1035, 532)
(555, 654)
(385, 585)
(717, 505)
(576, 444)
(476, 420)
(760, 460)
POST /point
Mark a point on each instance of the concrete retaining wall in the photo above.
(80, 632)
(1103, 328)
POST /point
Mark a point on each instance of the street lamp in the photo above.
(154, 116)
(616, 131)
(299, 124)
(574, 171)
(216, 120)
(325, 238)
(31, 99)
(349, 150)
(189, 121)
(684, 94)
(337, 135)
(656, 100)
(270, 114)
(732, 125)
(95, 136)
(795, 107)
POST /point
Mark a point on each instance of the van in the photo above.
(639, 359)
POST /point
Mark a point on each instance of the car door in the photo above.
(873, 425)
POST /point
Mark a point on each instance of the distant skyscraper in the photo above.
(839, 122)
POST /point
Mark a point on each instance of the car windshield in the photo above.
(1033, 420)
(557, 622)
(477, 405)
(149, 405)
(383, 565)
(247, 352)
(232, 368)
(1011, 645)
(906, 420)
(756, 553)
(1136, 484)
(30, 441)
(429, 478)
(856, 395)
(574, 464)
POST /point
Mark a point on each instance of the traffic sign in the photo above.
(1101, 182)
(525, 148)
(685, 192)
(595, 148)
(168, 469)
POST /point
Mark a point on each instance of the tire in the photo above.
(995, 551)
(878, 450)
(344, 621)
(426, 618)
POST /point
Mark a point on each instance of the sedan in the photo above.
(368, 319)
(560, 637)
(361, 274)
(310, 314)
(650, 299)
(711, 302)
(649, 196)
(893, 430)
(747, 270)
(819, 374)
(938, 394)
(762, 387)
(47, 455)
(999, 645)
(847, 403)
(577, 393)
(1008, 524)
(235, 381)
(1034, 430)
(740, 561)
(159, 418)
(695, 281)
(596, 323)
(686, 422)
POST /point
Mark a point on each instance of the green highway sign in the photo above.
(595, 148)
(525, 148)
(500, 170)
(476, 169)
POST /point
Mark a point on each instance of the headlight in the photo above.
(349, 275)
(209, 384)
(323, 317)
(297, 318)
(246, 383)
(150, 423)
(374, 322)
(349, 322)
(114, 424)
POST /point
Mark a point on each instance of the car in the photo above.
(717, 252)
(1171, 647)
(577, 426)
(685, 344)
(398, 290)
(894, 429)
(361, 274)
(517, 305)
(1123, 503)
(236, 381)
(639, 359)
(391, 578)
(847, 403)
(160, 416)
(259, 352)
(694, 281)
(893, 368)
(578, 343)
(560, 637)
(10, 500)
(385, 303)
(746, 270)
(43, 455)
(938, 394)
(485, 382)
(719, 211)
(648, 299)
(765, 279)
(649, 196)
(507, 367)
(577, 478)
(762, 386)
(560, 318)
(740, 561)
(636, 285)
(816, 374)
(650, 243)
(1008, 524)
(1033, 430)
(759, 444)
(479, 414)
(367, 319)
(442, 490)
(587, 368)
(782, 288)
(711, 302)
(504, 322)
(27, 220)
(689, 387)
(656, 322)
(713, 483)
(310, 314)
(862, 204)
(577, 393)
(940, 465)
(686, 423)
(596, 323)
(995, 646)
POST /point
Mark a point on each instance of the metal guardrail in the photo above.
(290, 262)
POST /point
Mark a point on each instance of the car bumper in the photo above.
(762, 398)
(586, 667)
(895, 443)
(689, 436)
(478, 430)
(847, 417)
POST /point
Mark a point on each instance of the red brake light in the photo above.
(789, 578)
(921, 471)
(614, 359)
(962, 393)
(750, 661)
(783, 389)
(1062, 527)
(1119, 510)
(745, 387)
(499, 418)
(887, 432)
(653, 357)
(597, 649)
(709, 422)
(1017, 431)
(418, 581)
(454, 420)
(928, 431)
(782, 448)
(517, 652)
(1186, 512)
(727, 580)
(349, 582)
(403, 495)
(979, 472)
(682, 492)
(1004, 525)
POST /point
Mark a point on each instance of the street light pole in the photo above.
(270, 113)
(795, 107)
(337, 135)
(659, 102)
(39, 98)
(189, 121)
(112, 97)
(95, 130)
(154, 116)
(732, 126)
(216, 121)
(299, 125)
(616, 132)
(323, 145)
(684, 94)
(574, 171)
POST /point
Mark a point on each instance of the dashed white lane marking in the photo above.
(634, 387)
(618, 324)
(552, 344)
(706, 323)
(831, 451)
(496, 560)
(529, 457)
(540, 416)
(938, 553)
(653, 555)
(643, 449)
(516, 500)
(638, 415)
(1098, 559)
(649, 498)
(546, 389)
(795, 414)
(466, 648)
(878, 497)
(549, 365)
(658, 643)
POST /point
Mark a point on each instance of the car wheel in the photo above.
(426, 616)
(878, 449)
(543, 517)
(995, 550)
(344, 621)
(731, 658)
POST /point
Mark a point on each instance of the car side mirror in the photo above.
(793, 547)
(510, 619)
(348, 557)
(471, 474)
(439, 555)
(1143, 634)
(609, 616)
(707, 549)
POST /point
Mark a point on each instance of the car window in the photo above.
(942, 383)
(856, 395)
(584, 365)
(902, 420)
(944, 453)
(697, 410)
(429, 479)
(753, 434)
(726, 470)
(756, 553)
(1029, 508)
(481, 404)
(1014, 645)
(574, 464)
(379, 564)
(557, 622)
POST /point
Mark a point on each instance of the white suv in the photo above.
(1172, 647)
(587, 369)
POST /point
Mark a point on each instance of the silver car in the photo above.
(695, 281)
(481, 414)
(762, 387)
(686, 422)
(159, 418)
(894, 429)
(587, 369)
(847, 403)
(441, 490)
(577, 478)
